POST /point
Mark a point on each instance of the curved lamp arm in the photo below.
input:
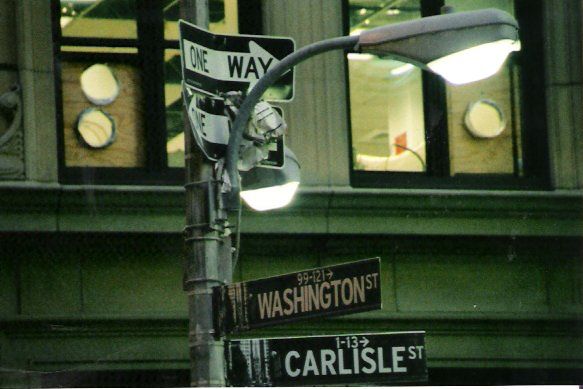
(272, 75)
(476, 40)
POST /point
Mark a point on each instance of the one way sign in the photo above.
(215, 64)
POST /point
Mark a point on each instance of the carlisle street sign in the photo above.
(216, 64)
(380, 358)
(327, 291)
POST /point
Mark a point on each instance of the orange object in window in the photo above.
(400, 143)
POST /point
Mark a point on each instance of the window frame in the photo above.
(150, 43)
(532, 116)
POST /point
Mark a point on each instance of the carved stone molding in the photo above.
(11, 135)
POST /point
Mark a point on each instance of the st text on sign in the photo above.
(216, 64)
(380, 358)
(334, 290)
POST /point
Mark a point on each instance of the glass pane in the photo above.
(223, 17)
(386, 96)
(479, 141)
(99, 18)
(126, 148)
(174, 122)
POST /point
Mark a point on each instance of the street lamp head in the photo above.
(461, 47)
(266, 189)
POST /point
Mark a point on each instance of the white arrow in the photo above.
(212, 128)
(228, 65)
(364, 341)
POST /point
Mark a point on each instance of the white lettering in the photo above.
(288, 369)
(310, 364)
(276, 305)
(412, 352)
(325, 299)
(375, 277)
(265, 304)
(372, 366)
(341, 369)
(313, 293)
(335, 284)
(349, 361)
(420, 351)
(287, 301)
(382, 367)
(298, 299)
(371, 281)
(347, 293)
(396, 359)
(328, 357)
(359, 289)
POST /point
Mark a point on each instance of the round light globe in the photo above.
(271, 197)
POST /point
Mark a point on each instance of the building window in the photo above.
(409, 128)
(118, 86)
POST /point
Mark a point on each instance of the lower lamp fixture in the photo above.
(266, 189)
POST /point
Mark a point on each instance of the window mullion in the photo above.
(151, 49)
(436, 130)
(435, 111)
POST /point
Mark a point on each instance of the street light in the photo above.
(266, 189)
(461, 47)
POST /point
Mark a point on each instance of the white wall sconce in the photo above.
(99, 84)
(484, 119)
(95, 128)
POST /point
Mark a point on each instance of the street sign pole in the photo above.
(213, 66)
(208, 253)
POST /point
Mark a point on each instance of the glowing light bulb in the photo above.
(271, 197)
(475, 63)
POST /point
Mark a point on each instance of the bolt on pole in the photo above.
(208, 250)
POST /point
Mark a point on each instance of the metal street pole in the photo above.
(208, 249)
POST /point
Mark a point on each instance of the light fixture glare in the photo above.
(271, 197)
(475, 63)
(403, 69)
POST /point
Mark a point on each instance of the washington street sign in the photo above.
(216, 64)
(327, 291)
(380, 358)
